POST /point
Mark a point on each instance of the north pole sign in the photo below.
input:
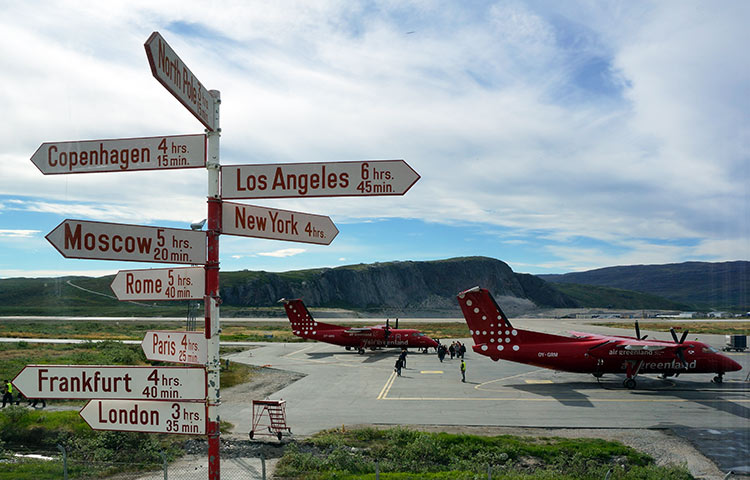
(135, 243)
(275, 224)
(121, 155)
(186, 283)
(177, 78)
(112, 382)
(146, 416)
(177, 347)
(330, 179)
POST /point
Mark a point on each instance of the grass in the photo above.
(403, 453)
(710, 328)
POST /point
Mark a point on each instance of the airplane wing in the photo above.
(359, 330)
(627, 343)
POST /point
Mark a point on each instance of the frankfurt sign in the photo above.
(101, 381)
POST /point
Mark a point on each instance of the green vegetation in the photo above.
(592, 296)
(409, 454)
(91, 454)
(710, 328)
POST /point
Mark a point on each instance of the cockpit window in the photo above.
(710, 350)
(419, 334)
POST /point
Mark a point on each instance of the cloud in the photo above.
(285, 252)
(18, 233)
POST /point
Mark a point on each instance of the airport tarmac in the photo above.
(344, 388)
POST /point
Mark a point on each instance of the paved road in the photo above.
(346, 388)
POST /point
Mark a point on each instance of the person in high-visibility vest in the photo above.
(463, 370)
(8, 395)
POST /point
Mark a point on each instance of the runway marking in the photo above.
(479, 387)
(566, 400)
(431, 371)
(298, 351)
(387, 386)
(538, 382)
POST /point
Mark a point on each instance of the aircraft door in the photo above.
(397, 338)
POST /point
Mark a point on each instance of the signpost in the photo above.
(186, 283)
(331, 179)
(115, 382)
(146, 416)
(153, 399)
(122, 155)
(177, 78)
(262, 222)
(177, 347)
(135, 243)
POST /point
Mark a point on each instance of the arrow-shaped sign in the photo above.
(136, 243)
(176, 347)
(275, 224)
(102, 381)
(146, 416)
(186, 283)
(121, 155)
(330, 179)
(177, 78)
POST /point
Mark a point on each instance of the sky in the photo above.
(554, 136)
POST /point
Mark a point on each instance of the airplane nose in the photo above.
(730, 365)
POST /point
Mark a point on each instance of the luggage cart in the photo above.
(276, 412)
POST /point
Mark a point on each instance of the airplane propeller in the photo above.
(638, 332)
(679, 350)
(387, 329)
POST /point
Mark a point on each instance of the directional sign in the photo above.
(262, 222)
(121, 155)
(135, 243)
(146, 416)
(332, 179)
(176, 347)
(103, 381)
(177, 78)
(186, 283)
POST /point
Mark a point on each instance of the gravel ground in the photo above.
(665, 447)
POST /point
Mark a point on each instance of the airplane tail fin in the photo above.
(493, 334)
(301, 319)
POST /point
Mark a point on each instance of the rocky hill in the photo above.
(703, 285)
(414, 287)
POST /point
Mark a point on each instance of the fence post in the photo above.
(65, 461)
(377, 470)
(263, 466)
(489, 471)
(164, 464)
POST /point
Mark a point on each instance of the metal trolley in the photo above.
(275, 410)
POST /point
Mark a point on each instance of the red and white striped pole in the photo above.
(212, 299)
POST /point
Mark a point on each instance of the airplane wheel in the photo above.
(348, 348)
(629, 383)
(718, 379)
(598, 374)
(279, 435)
(361, 351)
(251, 434)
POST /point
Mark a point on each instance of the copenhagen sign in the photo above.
(177, 78)
(135, 243)
(121, 155)
(330, 179)
(186, 283)
(146, 416)
(275, 224)
(115, 382)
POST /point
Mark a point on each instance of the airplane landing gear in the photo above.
(629, 383)
(361, 351)
(718, 379)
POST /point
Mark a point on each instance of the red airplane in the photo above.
(496, 338)
(304, 326)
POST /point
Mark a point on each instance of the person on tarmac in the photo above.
(463, 370)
